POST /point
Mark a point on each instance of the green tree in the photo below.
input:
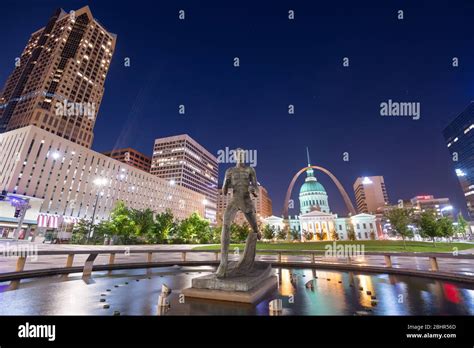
(282, 234)
(101, 233)
(143, 220)
(462, 225)
(163, 226)
(294, 234)
(243, 231)
(428, 225)
(216, 234)
(445, 227)
(122, 226)
(192, 230)
(399, 219)
(268, 232)
(80, 232)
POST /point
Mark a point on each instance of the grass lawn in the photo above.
(370, 245)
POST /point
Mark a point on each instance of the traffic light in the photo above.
(3, 195)
(17, 212)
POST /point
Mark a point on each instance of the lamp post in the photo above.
(447, 208)
(99, 182)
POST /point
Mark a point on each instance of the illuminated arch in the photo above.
(343, 192)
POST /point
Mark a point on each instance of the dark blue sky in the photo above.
(283, 62)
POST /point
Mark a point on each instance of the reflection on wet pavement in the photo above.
(303, 292)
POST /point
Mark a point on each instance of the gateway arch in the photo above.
(345, 196)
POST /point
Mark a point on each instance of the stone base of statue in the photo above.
(247, 288)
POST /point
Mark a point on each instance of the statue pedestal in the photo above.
(247, 288)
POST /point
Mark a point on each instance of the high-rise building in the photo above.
(131, 157)
(263, 206)
(459, 137)
(441, 206)
(183, 161)
(370, 193)
(78, 183)
(58, 80)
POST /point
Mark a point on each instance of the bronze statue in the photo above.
(243, 181)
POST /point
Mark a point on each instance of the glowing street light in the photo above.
(367, 181)
(99, 182)
(447, 208)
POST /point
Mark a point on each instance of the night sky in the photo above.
(283, 62)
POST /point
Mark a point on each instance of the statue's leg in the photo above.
(229, 216)
(247, 260)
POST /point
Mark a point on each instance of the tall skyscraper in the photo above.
(58, 81)
(183, 161)
(131, 157)
(459, 137)
(370, 193)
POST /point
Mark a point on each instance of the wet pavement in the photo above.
(135, 292)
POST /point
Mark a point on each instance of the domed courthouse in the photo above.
(316, 222)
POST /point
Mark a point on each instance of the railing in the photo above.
(306, 258)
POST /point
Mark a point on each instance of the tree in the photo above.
(350, 231)
(101, 233)
(268, 232)
(307, 235)
(462, 225)
(428, 225)
(192, 230)
(294, 234)
(445, 227)
(163, 226)
(123, 227)
(143, 220)
(80, 232)
(334, 235)
(372, 235)
(282, 234)
(399, 219)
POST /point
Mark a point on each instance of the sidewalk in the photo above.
(7, 264)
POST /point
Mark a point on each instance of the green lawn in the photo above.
(372, 245)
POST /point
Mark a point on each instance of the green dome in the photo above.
(312, 186)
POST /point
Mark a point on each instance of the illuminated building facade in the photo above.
(370, 193)
(184, 162)
(58, 80)
(131, 157)
(459, 137)
(317, 222)
(71, 178)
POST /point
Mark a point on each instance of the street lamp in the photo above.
(98, 182)
(447, 208)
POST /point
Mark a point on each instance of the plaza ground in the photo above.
(410, 261)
